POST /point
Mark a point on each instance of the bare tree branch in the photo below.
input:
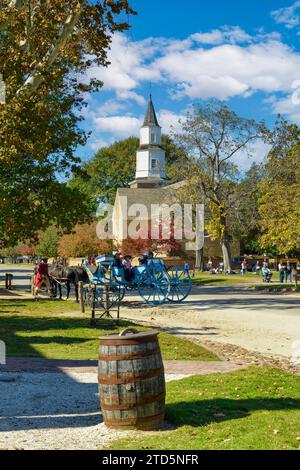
(239, 147)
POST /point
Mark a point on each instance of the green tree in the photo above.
(10, 252)
(279, 206)
(212, 135)
(45, 50)
(245, 218)
(47, 244)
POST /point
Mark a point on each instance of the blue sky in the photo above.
(246, 53)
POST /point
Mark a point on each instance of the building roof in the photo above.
(145, 196)
(150, 118)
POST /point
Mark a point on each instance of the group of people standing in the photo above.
(285, 272)
(261, 268)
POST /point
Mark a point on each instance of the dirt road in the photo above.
(261, 322)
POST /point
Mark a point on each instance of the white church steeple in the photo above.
(150, 162)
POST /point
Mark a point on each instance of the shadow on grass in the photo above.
(204, 412)
(16, 331)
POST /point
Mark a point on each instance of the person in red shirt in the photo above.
(42, 276)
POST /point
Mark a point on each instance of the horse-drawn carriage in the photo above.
(103, 287)
(153, 282)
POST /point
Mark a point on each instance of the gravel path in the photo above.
(54, 411)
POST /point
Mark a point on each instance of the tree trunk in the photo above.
(200, 260)
(226, 253)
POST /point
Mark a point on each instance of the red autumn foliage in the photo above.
(83, 241)
(25, 250)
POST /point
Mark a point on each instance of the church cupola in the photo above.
(150, 162)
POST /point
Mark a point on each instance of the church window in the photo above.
(154, 164)
(153, 138)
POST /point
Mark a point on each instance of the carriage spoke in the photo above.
(180, 284)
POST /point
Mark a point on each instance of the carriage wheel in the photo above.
(180, 282)
(153, 291)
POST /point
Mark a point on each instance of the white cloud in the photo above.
(254, 153)
(127, 64)
(289, 16)
(119, 126)
(100, 143)
(288, 107)
(231, 70)
(131, 95)
(263, 36)
(226, 34)
(190, 68)
(222, 63)
(169, 121)
(108, 108)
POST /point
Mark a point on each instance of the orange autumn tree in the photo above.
(83, 241)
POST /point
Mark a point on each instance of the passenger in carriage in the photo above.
(147, 256)
(144, 259)
(117, 262)
(150, 261)
(128, 268)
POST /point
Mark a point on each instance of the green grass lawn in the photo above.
(58, 330)
(224, 279)
(251, 409)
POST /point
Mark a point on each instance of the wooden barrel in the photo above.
(132, 380)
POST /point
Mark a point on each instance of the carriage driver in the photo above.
(42, 276)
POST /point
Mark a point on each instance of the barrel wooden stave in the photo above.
(132, 349)
(132, 391)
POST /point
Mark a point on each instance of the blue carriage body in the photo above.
(153, 281)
